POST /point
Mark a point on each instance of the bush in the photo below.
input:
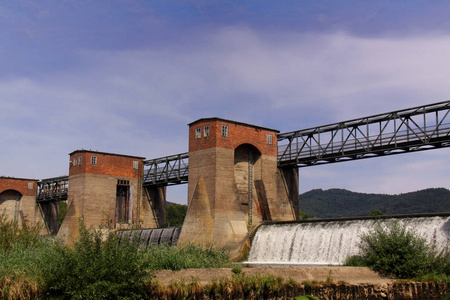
(97, 269)
(22, 256)
(13, 235)
(394, 250)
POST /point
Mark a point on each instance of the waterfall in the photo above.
(330, 242)
(147, 237)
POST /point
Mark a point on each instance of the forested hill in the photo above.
(337, 203)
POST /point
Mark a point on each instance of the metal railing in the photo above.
(418, 128)
(52, 189)
(166, 170)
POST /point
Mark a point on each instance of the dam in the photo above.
(330, 242)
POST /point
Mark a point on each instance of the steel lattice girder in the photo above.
(53, 189)
(166, 170)
(418, 128)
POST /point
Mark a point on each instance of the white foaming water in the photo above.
(331, 242)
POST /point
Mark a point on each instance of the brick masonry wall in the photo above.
(18, 184)
(27, 205)
(107, 164)
(238, 134)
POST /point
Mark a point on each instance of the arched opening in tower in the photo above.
(10, 204)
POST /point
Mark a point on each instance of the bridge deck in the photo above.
(53, 189)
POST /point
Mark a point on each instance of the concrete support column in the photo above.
(288, 189)
(50, 211)
(153, 213)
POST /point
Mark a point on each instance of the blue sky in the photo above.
(128, 76)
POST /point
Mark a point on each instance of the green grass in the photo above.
(190, 256)
(97, 267)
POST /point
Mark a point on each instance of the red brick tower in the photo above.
(104, 187)
(234, 182)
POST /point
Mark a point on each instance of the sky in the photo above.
(127, 76)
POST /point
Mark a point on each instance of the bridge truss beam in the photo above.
(52, 189)
(167, 170)
(413, 129)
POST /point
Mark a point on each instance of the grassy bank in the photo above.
(95, 268)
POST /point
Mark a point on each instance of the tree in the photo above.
(302, 215)
(376, 212)
(175, 214)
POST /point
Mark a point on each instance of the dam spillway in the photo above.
(330, 242)
(147, 237)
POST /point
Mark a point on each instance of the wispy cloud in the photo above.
(138, 100)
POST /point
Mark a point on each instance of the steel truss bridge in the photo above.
(414, 129)
(52, 189)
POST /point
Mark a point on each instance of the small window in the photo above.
(79, 160)
(123, 182)
(93, 160)
(269, 139)
(74, 161)
(206, 131)
(30, 185)
(135, 164)
(198, 133)
(224, 130)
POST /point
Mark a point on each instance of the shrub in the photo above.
(394, 250)
(22, 253)
(97, 268)
(13, 235)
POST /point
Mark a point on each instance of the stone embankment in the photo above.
(340, 283)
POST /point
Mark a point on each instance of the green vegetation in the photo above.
(302, 215)
(306, 298)
(175, 214)
(376, 212)
(238, 286)
(95, 268)
(167, 258)
(62, 212)
(396, 251)
(336, 203)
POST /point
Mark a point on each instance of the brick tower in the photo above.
(234, 183)
(104, 188)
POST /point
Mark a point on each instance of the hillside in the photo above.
(337, 203)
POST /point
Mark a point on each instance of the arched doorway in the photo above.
(249, 189)
(10, 204)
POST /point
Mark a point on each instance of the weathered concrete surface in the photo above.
(18, 201)
(93, 197)
(198, 224)
(153, 207)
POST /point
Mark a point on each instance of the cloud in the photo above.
(139, 101)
